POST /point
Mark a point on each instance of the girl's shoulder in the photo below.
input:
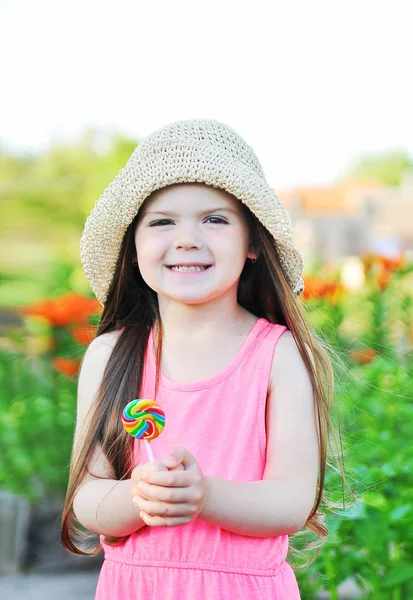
(287, 360)
(107, 340)
(92, 368)
(100, 349)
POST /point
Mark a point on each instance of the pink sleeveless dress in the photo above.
(221, 421)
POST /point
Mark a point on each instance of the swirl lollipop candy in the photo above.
(144, 420)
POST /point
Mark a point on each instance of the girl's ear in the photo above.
(253, 251)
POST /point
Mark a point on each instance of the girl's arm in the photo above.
(105, 507)
(281, 503)
(101, 504)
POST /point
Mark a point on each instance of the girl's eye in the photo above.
(216, 220)
(213, 220)
(161, 222)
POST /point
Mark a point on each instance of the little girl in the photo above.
(190, 253)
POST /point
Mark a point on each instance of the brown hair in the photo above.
(262, 290)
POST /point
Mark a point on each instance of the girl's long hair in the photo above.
(262, 290)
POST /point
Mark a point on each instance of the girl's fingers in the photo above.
(158, 492)
(155, 521)
(174, 478)
(162, 509)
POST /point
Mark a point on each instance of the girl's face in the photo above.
(191, 242)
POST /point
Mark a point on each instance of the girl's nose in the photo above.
(187, 238)
(186, 245)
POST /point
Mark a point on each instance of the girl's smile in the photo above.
(189, 269)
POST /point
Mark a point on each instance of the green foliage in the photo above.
(372, 540)
(387, 168)
(47, 197)
(52, 279)
(37, 418)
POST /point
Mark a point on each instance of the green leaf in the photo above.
(401, 572)
(375, 499)
(400, 512)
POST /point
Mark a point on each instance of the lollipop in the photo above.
(145, 420)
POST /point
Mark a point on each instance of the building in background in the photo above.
(351, 217)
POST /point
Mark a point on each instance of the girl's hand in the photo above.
(141, 471)
(166, 497)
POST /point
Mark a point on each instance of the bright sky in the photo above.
(309, 85)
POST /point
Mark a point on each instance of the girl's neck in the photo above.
(182, 322)
(197, 347)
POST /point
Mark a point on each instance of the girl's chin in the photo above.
(188, 298)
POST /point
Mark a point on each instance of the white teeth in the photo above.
(185, 269)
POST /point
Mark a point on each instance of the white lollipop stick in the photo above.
(149, 451)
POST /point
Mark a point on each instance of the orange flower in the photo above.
(364, 356)
(65, 310)
(393, 264)
(66, 366)
(314, 288)
(383, 279)
(318, 288)
(382, 266)
(83, 334)
(334, 292)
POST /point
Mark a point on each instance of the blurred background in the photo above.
(322, 93)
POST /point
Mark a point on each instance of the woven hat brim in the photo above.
(120, 202)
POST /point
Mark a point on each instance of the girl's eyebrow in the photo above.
(204, 212)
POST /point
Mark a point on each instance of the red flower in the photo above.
(314, 288)
(65, 310)
(382, 267)
(83, 334)
(333, 292)
(318, 288)
(66, 366)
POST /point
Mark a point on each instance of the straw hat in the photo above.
(195, 150)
